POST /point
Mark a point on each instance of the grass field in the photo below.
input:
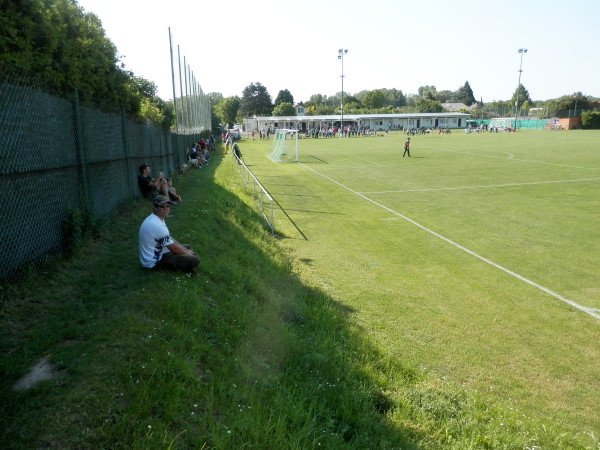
(447, 300)
(477, 259)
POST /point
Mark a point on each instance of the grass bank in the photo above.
(243, 354)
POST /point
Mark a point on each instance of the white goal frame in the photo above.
(279, 144)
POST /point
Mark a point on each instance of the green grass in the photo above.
(526, 201)
(355, 329)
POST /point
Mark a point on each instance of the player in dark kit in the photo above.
(406, 147)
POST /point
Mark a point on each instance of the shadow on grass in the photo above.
(242, 354)
(307, 159)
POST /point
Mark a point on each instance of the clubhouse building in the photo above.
(373, 122)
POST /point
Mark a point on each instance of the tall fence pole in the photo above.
(80, 146)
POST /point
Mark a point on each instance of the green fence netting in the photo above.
(537, 124)
(57, 156)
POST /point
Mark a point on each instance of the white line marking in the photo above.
(514, 159)
(484, 186)
(591, 311)
(370, 162)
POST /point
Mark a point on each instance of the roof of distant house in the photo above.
(454, 106)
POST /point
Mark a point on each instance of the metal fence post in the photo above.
(81, 150)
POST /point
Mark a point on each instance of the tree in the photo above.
(311, 110)
(227, 110)
(144, 87)
(60, 48)
(214, 98)
(374, 99)
(325, 110)
(446, 96)
(284, 96)
(316, 100)
(574, 101)
(427, 105)
(66, 49)
(352, 107)
(411, 100)
(336, 100)
(150, 110)
(150, 105)
(501, 108)
(465, 95)
(395, 97)
(427, 92)
(255, 100)
(523, 96)
(284, 109)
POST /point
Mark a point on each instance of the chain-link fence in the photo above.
(57, 156)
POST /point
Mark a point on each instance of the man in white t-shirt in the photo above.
(158, 250)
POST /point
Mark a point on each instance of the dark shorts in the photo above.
(185, 263)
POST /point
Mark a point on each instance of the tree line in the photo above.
(256, 100)
(55, 46)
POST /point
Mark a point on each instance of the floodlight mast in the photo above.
(341, 53)
(521, 51)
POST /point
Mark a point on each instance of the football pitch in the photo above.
(475, 261)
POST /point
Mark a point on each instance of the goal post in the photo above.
(281, 151)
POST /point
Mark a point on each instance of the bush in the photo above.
(591, 120)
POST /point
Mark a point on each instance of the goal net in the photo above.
(282, 150)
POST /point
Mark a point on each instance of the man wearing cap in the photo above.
(158, 250)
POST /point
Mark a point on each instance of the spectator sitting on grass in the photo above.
(206, 154)
(202, 144)
(198, 155)
(157, 249)
(193, 156)
(151, 187)
(173, 196)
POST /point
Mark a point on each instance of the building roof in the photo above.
(455, 106)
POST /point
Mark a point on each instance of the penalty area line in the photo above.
(533, 183)
(590, 311)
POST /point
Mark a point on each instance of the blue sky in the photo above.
(391, 44)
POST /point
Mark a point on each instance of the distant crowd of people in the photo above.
(347, 131)
(485, 128)
(198, 154)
